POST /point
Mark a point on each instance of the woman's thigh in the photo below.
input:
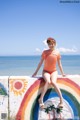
(54, 77)
(46, 76)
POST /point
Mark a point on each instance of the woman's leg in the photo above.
(53, 82)
(46, 77)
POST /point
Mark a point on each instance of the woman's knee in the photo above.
(47, 82)
(53, 82)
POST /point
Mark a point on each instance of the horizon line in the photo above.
(33, 55)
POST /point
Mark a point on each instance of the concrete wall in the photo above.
(19, 98)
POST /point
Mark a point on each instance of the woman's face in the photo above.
(51, 45)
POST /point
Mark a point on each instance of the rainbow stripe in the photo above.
(70, 91)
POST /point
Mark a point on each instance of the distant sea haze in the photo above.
(26, 65)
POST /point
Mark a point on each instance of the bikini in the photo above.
(49, 71)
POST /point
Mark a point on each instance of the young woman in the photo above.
(50, 57)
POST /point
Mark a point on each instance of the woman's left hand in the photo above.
(63, 75)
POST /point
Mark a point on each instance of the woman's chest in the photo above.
(51, 57)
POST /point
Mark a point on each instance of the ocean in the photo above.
(26, 65)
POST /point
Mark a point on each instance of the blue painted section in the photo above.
(50, 94)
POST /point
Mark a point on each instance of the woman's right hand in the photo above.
(34, 74)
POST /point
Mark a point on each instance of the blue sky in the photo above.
(26, 24)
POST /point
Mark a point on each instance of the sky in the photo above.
(26, 24)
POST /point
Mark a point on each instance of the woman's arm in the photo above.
(60, 67)
(38, 67)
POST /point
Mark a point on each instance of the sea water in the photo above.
(26, 65)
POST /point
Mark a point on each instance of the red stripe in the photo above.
(70, 81)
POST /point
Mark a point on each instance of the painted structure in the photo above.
(19, 98)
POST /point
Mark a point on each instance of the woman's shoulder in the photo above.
(45, 51)
(57, 51)
(58, 54)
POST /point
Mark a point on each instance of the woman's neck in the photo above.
(52, 49)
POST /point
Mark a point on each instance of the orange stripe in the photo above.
(29, 97)
(70, 85)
